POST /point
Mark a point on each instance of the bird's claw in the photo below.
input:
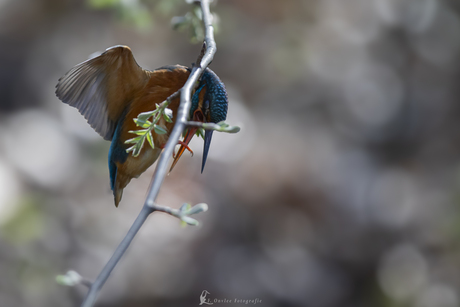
(186, 147)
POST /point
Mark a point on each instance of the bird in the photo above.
(111, 89)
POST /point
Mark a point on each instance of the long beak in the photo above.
(188, 137)
(207, 143)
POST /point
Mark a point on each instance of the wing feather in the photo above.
(101, 87)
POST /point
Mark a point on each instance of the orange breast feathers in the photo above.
(163, 83)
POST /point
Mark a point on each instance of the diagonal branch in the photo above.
(162, 165)
(185, 104)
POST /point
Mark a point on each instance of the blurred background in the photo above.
(341, 190)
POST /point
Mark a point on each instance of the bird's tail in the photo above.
(121, 181)
(117, 194)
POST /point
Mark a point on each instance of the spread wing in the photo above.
(101, 87)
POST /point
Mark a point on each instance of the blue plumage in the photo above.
(117, 152)
(215, 94)
(196, 99)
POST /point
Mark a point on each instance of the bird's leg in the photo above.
(184, 145)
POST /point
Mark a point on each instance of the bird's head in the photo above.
(209, 105)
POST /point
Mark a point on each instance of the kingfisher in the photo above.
(110, 90)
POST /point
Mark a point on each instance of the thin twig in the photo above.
(199, 125)
(87, 283)
(170, 99)
(113, 261)
(184, 107)
(221, 127)
(202, 53)
(162, 164)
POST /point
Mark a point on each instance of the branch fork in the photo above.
(184, 212)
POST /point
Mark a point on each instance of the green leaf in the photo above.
(222, 127)
(200, 133)
(189, 220)
(159, 129)
(232, 129)
(185, 207)
(211, 126)
(142, 119)
(136, 148)
(146, 115)
(139, 132)
(167, 118)
(71, 278)
(134, 140)
(142, 123)
(168, 115)
(202, 207)
(131, 149)
(138, 144)
(223, 124)
(150, 139)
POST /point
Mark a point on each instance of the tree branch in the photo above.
(221, 126)
(162, 165)
(185, 104)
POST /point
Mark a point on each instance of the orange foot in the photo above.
(182, 144)
(186, 146)
(162, 146)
